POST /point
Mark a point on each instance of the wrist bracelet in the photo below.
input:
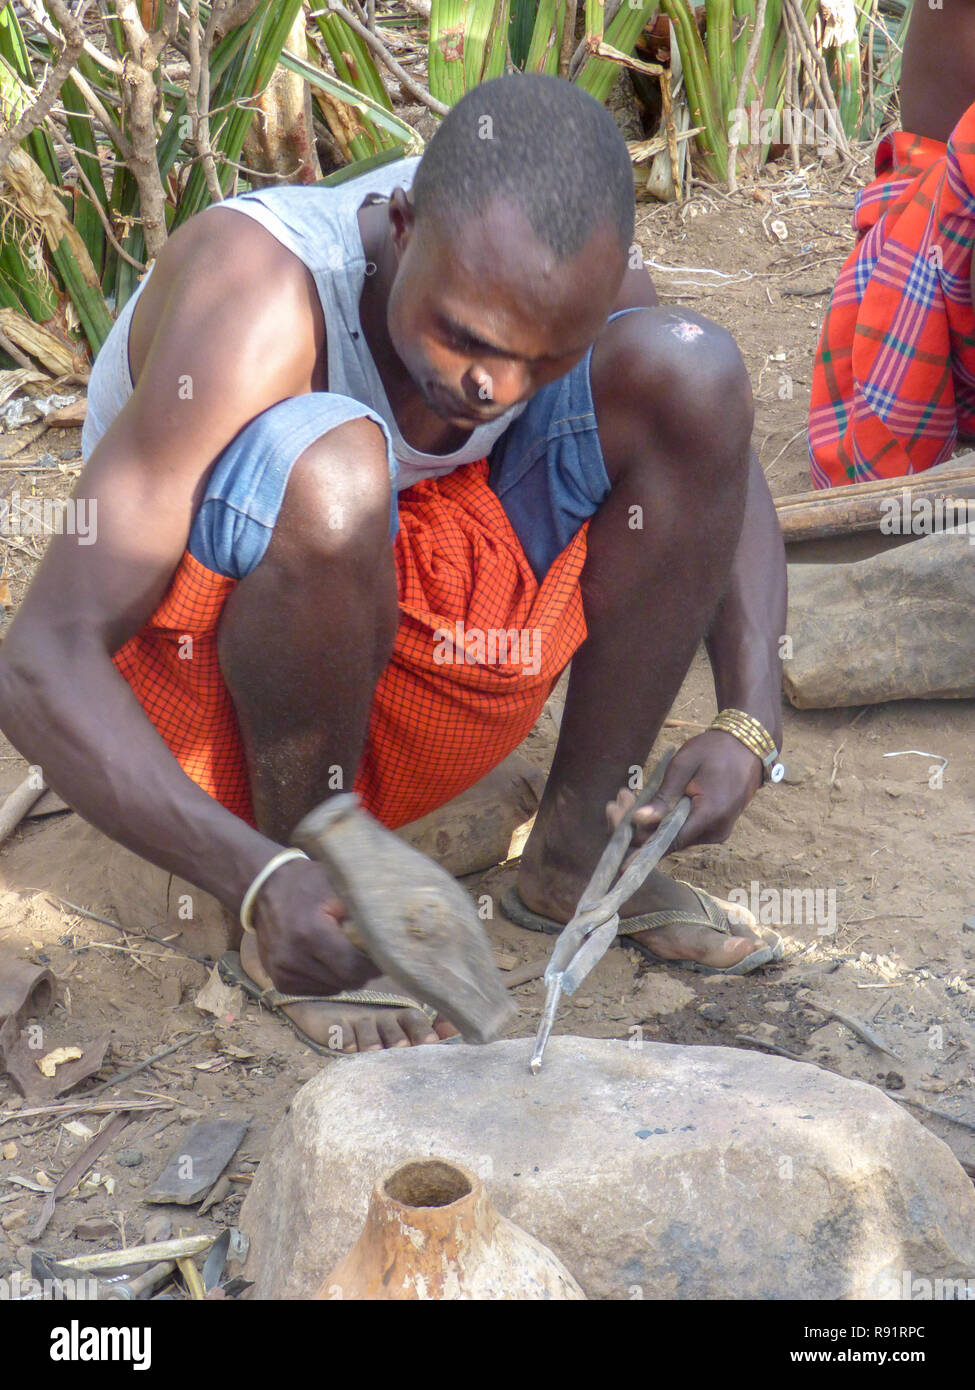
(750, 732)
(247, 906)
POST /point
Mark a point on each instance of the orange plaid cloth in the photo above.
(438, 724)
(894, 375)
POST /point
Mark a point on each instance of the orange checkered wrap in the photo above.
(439, 722)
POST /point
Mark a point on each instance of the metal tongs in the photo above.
(593, 928)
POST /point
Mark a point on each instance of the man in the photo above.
(245, 592)
(894, 377)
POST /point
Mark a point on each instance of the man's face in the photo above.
(484, 316)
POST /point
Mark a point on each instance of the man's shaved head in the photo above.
(539, 143)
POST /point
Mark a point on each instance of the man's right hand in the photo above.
(299, 939)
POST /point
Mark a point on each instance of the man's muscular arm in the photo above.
(242, 347)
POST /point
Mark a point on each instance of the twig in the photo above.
(408, 83)
(198, 93)
(78, 1107)
(769, 1047)
(856, 1027)
(144, 1066)
(73, 38)
(102, 216)
(930, 1110)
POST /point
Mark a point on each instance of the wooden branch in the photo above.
(139, 100)
(73, 38)
(96, 108)
(233, 16)
(841, 511)
(198, 94)
(408, 83)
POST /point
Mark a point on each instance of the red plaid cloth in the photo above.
(438, 724)
(894, 376)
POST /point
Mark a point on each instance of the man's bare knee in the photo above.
(338, 493)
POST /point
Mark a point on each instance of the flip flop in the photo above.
(233, 973)
(713, 914)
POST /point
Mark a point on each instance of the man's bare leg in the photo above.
(303, 640)
(674, 414)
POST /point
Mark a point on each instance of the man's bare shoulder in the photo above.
(242, 272)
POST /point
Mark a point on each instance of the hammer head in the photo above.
(410, 917)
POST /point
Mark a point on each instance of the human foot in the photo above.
(550, 895)
(348, 1027)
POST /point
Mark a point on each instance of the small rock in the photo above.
(894, 1081)
(779, 1006)
(795, 774)
(13, 1220)
(9, 1150)
(158, 1227)
(582, 1002)
(96, 1229)
(505, 960)
(969, 923)
(713, 1013)
(129, 1158)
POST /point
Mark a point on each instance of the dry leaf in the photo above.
(5, 598)
(48, 1065)
(223, 1001)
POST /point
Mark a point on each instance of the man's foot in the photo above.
(678, 941)
(343, 1027)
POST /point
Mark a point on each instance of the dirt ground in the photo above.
(890, 855)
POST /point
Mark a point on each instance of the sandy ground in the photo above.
(883, 856)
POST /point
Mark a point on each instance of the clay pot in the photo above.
(432, 1233)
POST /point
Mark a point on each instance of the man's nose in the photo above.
(501, 384)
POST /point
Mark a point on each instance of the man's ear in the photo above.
(402, 218)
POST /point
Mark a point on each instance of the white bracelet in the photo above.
(247, 906)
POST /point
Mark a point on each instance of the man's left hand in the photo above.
(718, 773)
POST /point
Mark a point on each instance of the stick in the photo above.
(534, 970)
(854, 1026)
(930, 1110)
(840, 511)
(19, 802)
(769, 1046)
(78, 1107)
(409, 83)
(143, 1066)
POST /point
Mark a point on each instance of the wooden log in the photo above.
(839, 511)
(19, 803)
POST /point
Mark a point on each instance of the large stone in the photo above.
(654, 1171)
